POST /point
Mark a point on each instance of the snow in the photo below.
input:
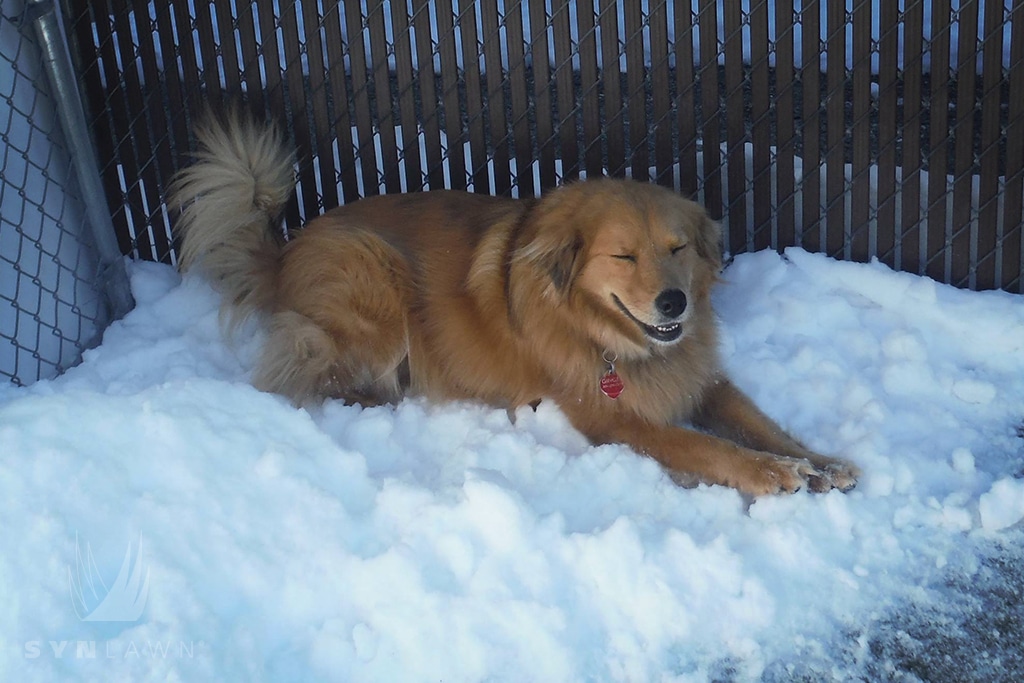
(1003, 505)
(444, 542)
(424, 542)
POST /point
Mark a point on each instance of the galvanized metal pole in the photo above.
(47, 22)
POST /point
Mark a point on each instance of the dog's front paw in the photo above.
(771, 474)
(832, 473)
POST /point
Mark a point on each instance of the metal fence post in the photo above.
(46, 21)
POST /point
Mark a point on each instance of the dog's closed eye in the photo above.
(625, 257)
(678, 249)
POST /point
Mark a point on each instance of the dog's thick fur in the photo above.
(451, 295)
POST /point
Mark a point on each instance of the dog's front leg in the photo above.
(729, 413)
(694, 457)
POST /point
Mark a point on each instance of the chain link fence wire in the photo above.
(889, 130)
(53, 302)
(859, 129)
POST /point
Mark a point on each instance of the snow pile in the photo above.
(1003, 505)
(430, 542)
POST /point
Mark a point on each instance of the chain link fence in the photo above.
(862, 129)
(53, 298)
(890, 130)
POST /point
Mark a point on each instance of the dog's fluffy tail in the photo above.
(231, 201)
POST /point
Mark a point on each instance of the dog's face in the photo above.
(636, 259)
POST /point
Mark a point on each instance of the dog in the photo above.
(595, 296)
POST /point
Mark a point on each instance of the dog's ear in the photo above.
(563, 263)
(709, 241)
(556, 253)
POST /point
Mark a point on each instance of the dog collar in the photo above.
(611, 383)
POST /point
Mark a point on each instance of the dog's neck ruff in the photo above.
(611, 384)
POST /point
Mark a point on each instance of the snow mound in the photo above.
(426, 542)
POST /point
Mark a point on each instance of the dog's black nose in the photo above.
(671, 303)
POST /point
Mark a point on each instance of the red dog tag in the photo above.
(611, 384)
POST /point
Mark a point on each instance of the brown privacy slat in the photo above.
(686, 99)
(474, 96)
(810, 76)
(177, 124)
(275, 87)
(192, 75)
(203, 21)
(613, 105)
(835, 112)
(323, 177)
(267, 37)
(760, 126)
(565, 91)
(143, 189)
(1013, 210)
(635, 95)
(194, 101)
(406, 84)
(250, 60)
(340, 99)
(784, 124)
(987, 265)
(228, 42)
(431, 116)
(661, 101)
(707, 74)
(590, 84)
(114, 125)
(386, 120)
(498, 127)
(519, 99)
(735, 134)
(888, 112)
(861, 247)
(298, 97)
(361, 98)
(322, 136)
(963, 144)
(157, 173)
(912, 236)
(455, 157)
(938, 155)
(542, 107)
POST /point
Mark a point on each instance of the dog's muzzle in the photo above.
(671, 304)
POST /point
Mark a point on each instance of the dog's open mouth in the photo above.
(665, 334)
